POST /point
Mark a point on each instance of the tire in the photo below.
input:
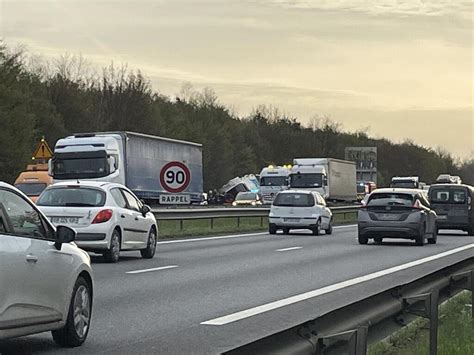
(434, 238)
(113, 254)
(470, 231)
(78, 320)
(317, 228)
(149, 251)
(420, 239)
(286, 230)
(378, 240)
(272, 229)
(329, 229)
(363, 240)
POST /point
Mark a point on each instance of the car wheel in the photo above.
(363, 239)
(420, 239)
(434, 237)
(286, 230)
(329, 229)
(378, 240)
(113, 254)
(272, 229)
(78, 320)
(317, 228)
(149, 251)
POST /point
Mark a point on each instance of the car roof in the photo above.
(398, 190)
(297, 191)
(86, 183)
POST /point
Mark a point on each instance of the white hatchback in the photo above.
(295, 209)
(108, 217)
(45, 279)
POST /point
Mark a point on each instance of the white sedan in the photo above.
(108, 217)
(45, 279)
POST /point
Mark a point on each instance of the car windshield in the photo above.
(391, 199)
(81, 168)
(72, 197)
(31, 189)
(246, 196)
(294, 200)
(306, 180)
(360, 189)
(273, 181)
(448, 196)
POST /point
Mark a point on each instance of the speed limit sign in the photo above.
(175, 177)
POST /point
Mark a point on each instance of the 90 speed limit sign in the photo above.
(175, 177)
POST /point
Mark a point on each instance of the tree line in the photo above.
(57, 98)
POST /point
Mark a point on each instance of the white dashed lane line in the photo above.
(153, 269)
(289, 249)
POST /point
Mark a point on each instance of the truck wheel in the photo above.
(378, 240)
(113, 254)
(329, 230)
(317, 228)
(272, 229)
(149, 251)
(470, 231)
(286, 230)
(363, 239)
(78, 320)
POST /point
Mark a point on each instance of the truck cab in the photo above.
(309, 177)
(406, 182)
(88, 157)
(272, 181)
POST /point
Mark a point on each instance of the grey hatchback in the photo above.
(397, 213)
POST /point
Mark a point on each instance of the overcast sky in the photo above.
(403, 68)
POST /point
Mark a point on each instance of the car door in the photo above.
(139, 230)
(126, 217)
(324, 210)
(37, 274)
(430, 213)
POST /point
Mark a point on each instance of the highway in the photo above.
(209, 295)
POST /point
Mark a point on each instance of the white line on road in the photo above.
(288, 249)
(231, 236)
(321, 291)
(153, 269)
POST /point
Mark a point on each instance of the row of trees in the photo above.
(54, 99)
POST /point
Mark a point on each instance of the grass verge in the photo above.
(455, 332)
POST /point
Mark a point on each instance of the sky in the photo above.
(401, 69)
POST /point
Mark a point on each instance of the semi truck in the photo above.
(156, 169)
(273, 179)
(334, 179)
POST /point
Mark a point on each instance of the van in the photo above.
(34, 180)
(454, 205)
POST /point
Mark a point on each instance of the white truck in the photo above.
(407, 182)
(156, 169)
(273, 179)
(334, 179)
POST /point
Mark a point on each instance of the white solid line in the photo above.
(311, 294)
(288, 249)
(153, 269)
(231, 236)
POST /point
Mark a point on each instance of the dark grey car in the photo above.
(397, 213)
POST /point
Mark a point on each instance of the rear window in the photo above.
(31, 189)
(246, 196)
(72, 197)
(294, 200)
(390, 199)
(448, 196)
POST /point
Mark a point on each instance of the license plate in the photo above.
(388, 217)
(65, 220)
(291, 219)
(442, 217)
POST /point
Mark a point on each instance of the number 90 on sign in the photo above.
(175, 177)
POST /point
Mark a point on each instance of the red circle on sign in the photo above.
(183, 185)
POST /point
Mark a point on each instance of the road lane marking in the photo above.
(321, 291)
(232, 236)
(288, 249)
(153, 269)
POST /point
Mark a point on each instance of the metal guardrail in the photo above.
(229, 212)
(349, 329)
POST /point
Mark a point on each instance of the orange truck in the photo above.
(35, 178)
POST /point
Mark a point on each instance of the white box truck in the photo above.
(273, 179)
(334, 179)
(156, 169)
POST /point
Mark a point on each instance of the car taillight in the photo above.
(102, 216)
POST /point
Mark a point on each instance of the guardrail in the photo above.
(349, 329)
(183, 214)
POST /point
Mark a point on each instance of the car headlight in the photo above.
(234, 203)
(253, 203)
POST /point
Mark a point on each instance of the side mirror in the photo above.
(325, 181)
(145, 209)
(112, 164)
(64, 235)
(50, 167)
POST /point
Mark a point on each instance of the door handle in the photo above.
(122, 216)
(31, 258)
(136, 218)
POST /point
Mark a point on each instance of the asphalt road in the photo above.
(241, 288)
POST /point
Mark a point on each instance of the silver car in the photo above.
(397, 213)
(45, 279)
